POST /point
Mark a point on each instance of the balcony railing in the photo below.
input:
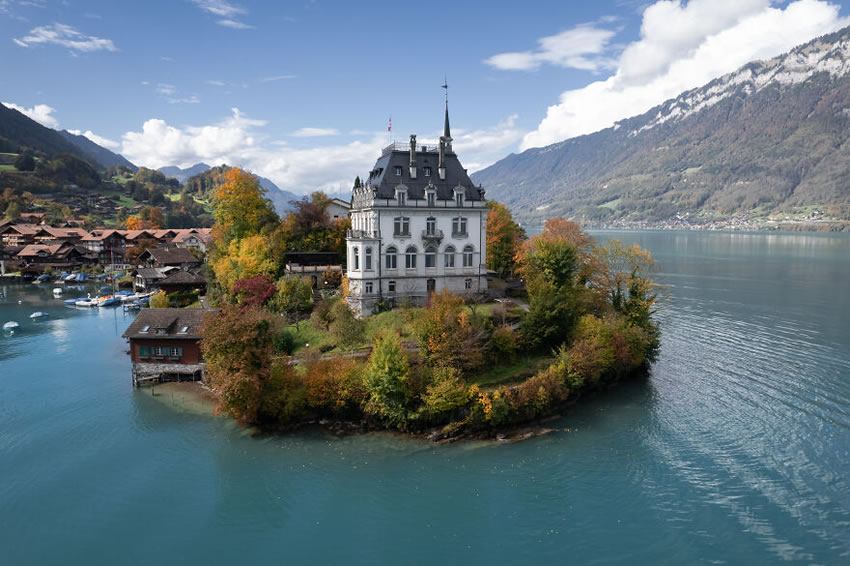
(361, 234)
(435, 235)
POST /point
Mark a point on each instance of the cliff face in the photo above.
(772, 136)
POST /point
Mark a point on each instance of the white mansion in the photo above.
(418, 225)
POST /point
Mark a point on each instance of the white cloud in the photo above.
(227, 11)
(580, 48)
(483, 147)
(220, 8)
(165, 89)
(66, 36)
(185, 100)
(684, 46)
(235, 24)
(276, 78)
(41, 113)
(99, 140)
(216, 83)
(315, 132)
(332, 168)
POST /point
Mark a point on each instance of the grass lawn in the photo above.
(522, 369)
(7, 168)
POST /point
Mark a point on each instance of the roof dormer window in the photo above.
(427, 171)
(401, 196)
(398, 170)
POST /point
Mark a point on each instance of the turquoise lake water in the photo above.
(736, 450)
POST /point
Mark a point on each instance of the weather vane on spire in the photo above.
(446, 86)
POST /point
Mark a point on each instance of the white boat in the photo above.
(39, 314)
(57, 292)
(87, 302)
(11, 325)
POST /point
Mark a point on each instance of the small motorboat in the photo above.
(39, 315)
(57, 292)
(41, 278)
(10, 326)
(108, 301)
(87, 302)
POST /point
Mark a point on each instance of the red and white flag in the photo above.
(390, 127)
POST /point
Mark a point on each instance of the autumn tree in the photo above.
(504, 237)
(449, 336)
(237, 347)
(255, 291)
(243, 259)
(152, 217)
(240, 207)
(159, 300)
(135, 223)
(294, 296)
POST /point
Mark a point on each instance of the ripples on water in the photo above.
(735, 450)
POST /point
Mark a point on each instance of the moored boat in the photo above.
(57, 292)
(11, 325)
(38, 315)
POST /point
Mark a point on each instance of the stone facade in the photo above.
(418, 225)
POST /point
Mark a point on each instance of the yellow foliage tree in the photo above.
(244, 259)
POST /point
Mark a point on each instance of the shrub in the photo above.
(159, 300)
(321, 316)
(386, 381)
(346, 329)
(503, 345)
(284, 343)
(445, 396)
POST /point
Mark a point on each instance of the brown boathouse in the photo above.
(165, 345)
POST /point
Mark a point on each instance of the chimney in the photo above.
(412, 156)
(441, 168)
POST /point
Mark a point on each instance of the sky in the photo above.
(303, 92)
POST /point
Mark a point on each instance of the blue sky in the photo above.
(301, 92)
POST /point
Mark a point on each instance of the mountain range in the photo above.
(770, 137)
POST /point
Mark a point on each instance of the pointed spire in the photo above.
(446, 131)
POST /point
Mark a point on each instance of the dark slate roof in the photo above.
(170, 256)
(149, 273)
(168, 323)
(384, 178)
(183, 278)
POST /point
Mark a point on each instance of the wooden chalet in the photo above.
(165, 345)
(182, 281)
(169, 257)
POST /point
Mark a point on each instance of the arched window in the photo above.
(430, 256)
(410, 258)
(449, 256)
(356, 259)
(468, 252)
(392, 261)
(367, 259)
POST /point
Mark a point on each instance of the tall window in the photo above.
(459, 199)
(427, 171)
(459, 226)
(367, 259)
(468, 252)
(430, 256)
(401, 197)
(432, 198)
(368, 287)
(356, 259)
(431, 226)
(467, 284)
(401, 226)
(391, 261)
(449, 256)
(410, 258)
(391, 286)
